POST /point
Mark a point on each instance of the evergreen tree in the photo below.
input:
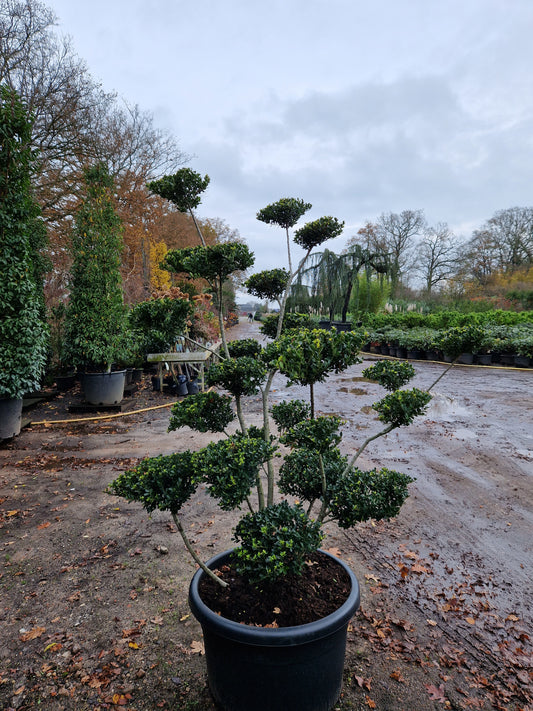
(23, 330)
(95, 322)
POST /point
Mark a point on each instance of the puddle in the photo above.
(445, 407)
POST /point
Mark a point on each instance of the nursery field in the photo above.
(93, 591)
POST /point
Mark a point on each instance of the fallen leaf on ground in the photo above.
(417, 568)
(363, 683)
(197, 647)
(32, 634)
(369, 576)
(397, 676)
(436, 693)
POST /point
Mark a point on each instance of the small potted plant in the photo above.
(95, 324)
(460, 343)
(157, 323)
(262, 652)
(523, 347)
(23, 329)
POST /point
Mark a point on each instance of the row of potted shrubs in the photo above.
(485, 342)
(488, 344)
(445, 319)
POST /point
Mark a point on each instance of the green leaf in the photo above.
(275, 542)
(363, 495)
(401, 407)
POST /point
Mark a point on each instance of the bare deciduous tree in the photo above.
(503, 245)
(77, 123)
(437, 256)
(478, 258)
(397, 234)
(512, 233)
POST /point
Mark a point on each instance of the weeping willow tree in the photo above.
(328, 280)
(370, 293)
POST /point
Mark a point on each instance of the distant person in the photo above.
(250, 318)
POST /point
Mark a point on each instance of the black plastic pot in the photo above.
(10, 417)
(484, 358)
(342, 325)
(270, 669)
(521, 361)
(506, 359)
(414, 354)
(103, 388)
(182, 385)
(466, 358)
(192, 387)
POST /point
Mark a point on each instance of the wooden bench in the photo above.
(196, 360)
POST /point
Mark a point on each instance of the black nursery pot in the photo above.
(274, 669)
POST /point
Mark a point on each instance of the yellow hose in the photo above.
(441, 362)
(103, 417)
(100, 417)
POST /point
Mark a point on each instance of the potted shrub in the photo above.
(486, 346)
(261, 651)
(413, 341)
(23, 329)
(95, 325)
(459, 343)
(523, 347)
(157, 323)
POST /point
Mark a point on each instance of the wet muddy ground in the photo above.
(93, 591)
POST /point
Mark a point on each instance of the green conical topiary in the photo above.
(23, 329)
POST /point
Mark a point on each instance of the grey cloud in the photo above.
(414, 143)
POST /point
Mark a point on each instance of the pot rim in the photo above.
(268, 636)
(103, 372)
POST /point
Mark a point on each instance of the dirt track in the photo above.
(447, 599)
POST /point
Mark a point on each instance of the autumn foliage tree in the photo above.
(77, 123)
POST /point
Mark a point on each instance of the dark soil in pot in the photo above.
(295, 600)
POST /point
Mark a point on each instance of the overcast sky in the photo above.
(359, 107)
